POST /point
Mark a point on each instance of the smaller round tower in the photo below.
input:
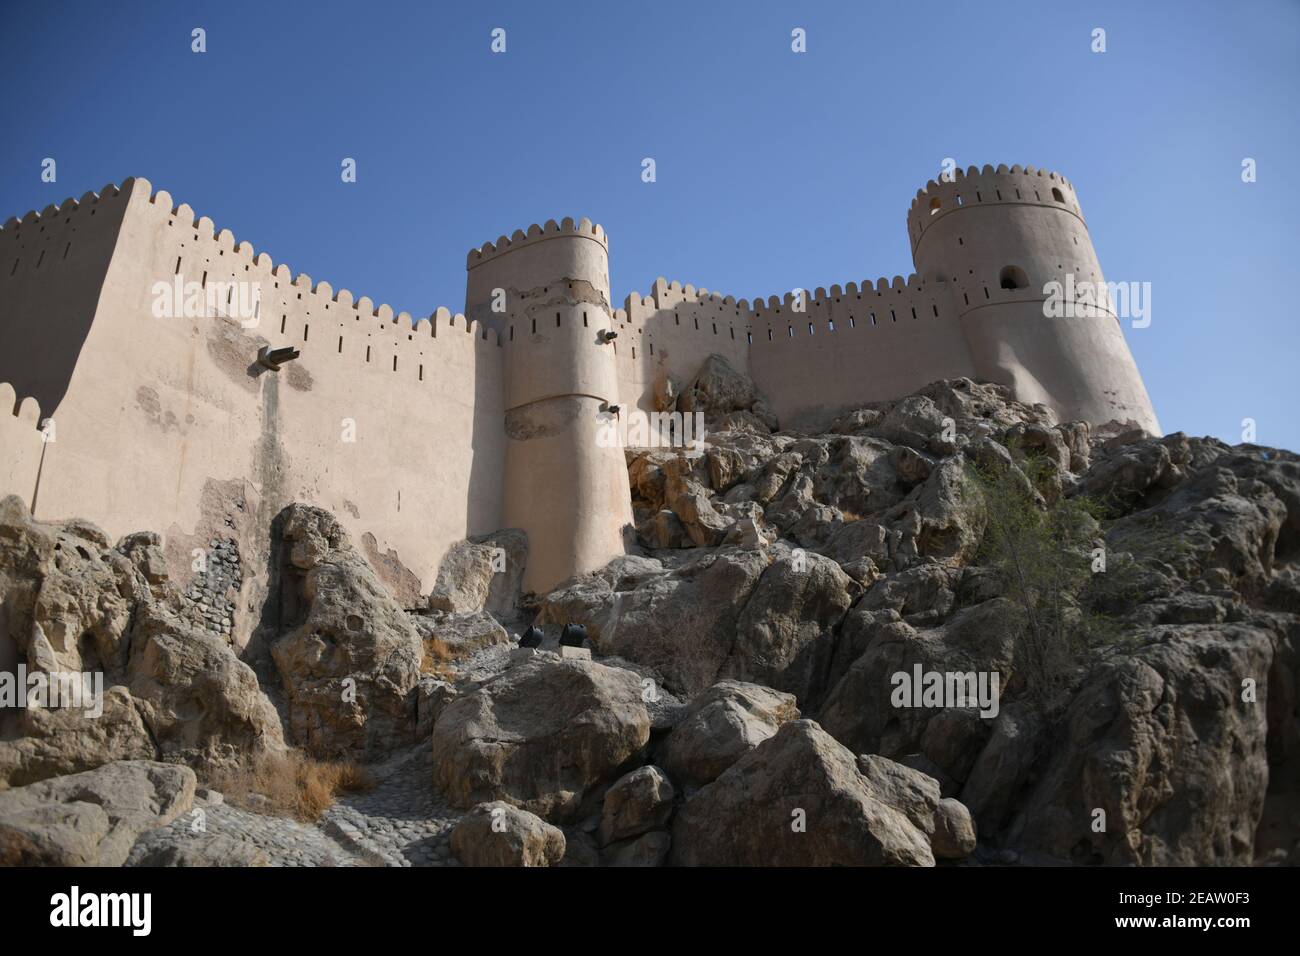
(999, 238)
(546, 292)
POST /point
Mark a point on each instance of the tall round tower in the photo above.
(999, 238)
(546, 292)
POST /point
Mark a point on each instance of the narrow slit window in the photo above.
(178, 266)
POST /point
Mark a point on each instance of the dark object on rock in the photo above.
(532, 637)
(573, 635)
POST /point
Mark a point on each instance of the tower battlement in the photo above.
(418, 432)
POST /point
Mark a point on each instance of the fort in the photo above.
(420, 433)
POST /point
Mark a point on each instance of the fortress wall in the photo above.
(21, 444)
(170, 424)
(854, 345)
(671, 332)
(52, 267)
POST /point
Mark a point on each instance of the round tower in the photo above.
(546, 292)
(1000, 238)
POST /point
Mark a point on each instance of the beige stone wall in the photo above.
(168, 423)
(668, 333)
(21, 444)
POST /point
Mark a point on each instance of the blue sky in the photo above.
(775, 170)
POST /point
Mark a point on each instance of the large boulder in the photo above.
(349, 656)
(52, 742)
(482, 573)
(91, 818)
(945, 821)
(541, 736)
(682, 623)
(201, 703)
(499, 834)
(785, 637)
(717, 389)
(797, 799)
(720, 726)
(637, 803)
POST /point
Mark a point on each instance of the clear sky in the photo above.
(775, 170)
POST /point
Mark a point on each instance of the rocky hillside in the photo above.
(774, 669)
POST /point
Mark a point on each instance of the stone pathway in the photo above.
(399, 823)
(282, 842)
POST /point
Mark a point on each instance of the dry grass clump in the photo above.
(438, 658)
(290, 783)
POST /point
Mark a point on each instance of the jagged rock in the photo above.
(200, 703)
(720, 726)
(1166, 745)
(859, 711)
(498, 834)
(750, 816)
(1127, 471)
(540, 736)
(785, 635)
(67, 594)
(1002, 766)
(915, 422)
(1215, 519)
(482, 573)
(916, 795)
(681, 623)
(173, 691)
(91, 818)
(940, 518)
(718, 389)
(861, 475)
(638, 802)
(54, 742)
(922, 595)
(664, 529)
(689, 500)
(350, 657)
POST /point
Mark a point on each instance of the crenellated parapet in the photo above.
(976, 187)
(522, 238)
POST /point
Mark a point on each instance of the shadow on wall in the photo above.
(52, 275)
(485, 490)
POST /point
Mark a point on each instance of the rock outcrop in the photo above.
(797, 799)
(348, 655)
(499, 834)
(541, 736)
(91, 818)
